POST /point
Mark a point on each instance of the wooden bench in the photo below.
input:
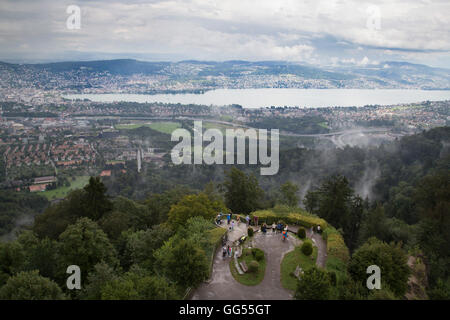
(243, 266)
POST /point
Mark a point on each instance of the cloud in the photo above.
(310, 30)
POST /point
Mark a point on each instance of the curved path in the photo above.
(222, 285)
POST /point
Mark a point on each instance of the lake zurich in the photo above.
(266, 97)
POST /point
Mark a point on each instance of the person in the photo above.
(273, 227)
(279, 227)
(264, 229)
(218, 220)
(247, 219)
(229, 218)
(285, 235)
(318, 229)
(230, 251)
(242, 239)
(224, 252)
(255, 220)
(238, 219)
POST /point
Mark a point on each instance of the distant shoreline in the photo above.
(277, 97)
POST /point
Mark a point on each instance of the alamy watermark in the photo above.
(73, 22)
(374, 280)
(74, 280)
(374, 18)
(213, 153)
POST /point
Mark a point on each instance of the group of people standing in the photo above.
(276, 229)
(227, 251)
(231, 222)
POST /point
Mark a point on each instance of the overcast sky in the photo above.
(316, 31)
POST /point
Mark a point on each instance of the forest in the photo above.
(152, 236)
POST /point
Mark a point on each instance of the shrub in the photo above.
(301, 233)
(253, 266)
(307, 248)
(314, 285)
(333, 278)
(258, 254)
(250, 232)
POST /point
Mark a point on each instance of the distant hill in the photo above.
(388, 74)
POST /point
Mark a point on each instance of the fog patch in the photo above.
(364, 186)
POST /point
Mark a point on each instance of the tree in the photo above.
(141, 245)
(84, 244)
(39, 254)
(311, 200)
(159, 204)
(12, 258)
(96, 200)
(96, 280)
(193, 206)
(30, 286)
(389, 257)
(242, 192)
(335, 195)
(56, 218)
(433, 203)
(335, 202)
(182, 261)
(314, 284)
(289, 194)
(373, 225)
(135, 286)
(139, 215)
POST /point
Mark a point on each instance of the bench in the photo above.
(243, 266)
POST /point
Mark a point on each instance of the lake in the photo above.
(266, 97)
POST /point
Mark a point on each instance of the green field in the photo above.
(323, 125)
(290, 262)
(162, 126)
(62, 192)
(220, 126)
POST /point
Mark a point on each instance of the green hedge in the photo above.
(293, 218)
(338, 254)
(335, 244)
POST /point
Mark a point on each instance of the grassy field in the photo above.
(323, 125)
(220, 126)
(248, 278)
(162, 126)
(290, 262)
(61, 192)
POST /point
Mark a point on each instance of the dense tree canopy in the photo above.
(242, 192)
(390, 258)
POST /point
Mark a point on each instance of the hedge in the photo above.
(307, 221)
(338, 254)
(335, 244)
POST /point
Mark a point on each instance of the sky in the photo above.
(317, 32)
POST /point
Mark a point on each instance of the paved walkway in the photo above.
(222, 285)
